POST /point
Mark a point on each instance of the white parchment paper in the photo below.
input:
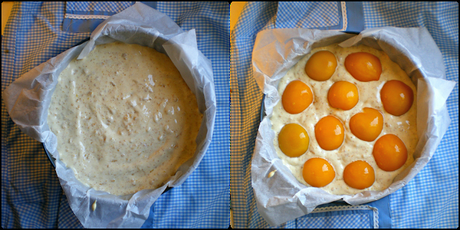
(28, 98)
(281, 197)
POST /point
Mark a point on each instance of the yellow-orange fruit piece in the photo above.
(329, 133)
(367, 125)
(389, 152)
(343, 95)
(297, 96)
(293, 140)
(363, 66)
(359, 175)
(317, 172)
(396, 97)
(321, 65)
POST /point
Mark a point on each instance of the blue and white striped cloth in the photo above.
(31, 194)
(430, 200)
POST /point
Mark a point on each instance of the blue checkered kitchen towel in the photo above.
(430, 200)
(31, 193)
